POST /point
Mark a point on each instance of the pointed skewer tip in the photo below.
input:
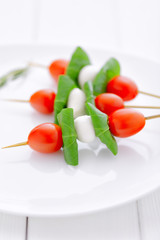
(16, 145)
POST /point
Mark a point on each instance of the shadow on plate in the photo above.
(92, 162)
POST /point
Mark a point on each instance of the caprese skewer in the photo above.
(78, 115)
(42, 101)
(110, 102)
(56, 68)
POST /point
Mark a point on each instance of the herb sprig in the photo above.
(12, 75)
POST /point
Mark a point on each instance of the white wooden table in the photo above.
(131, 26)
(139, 220)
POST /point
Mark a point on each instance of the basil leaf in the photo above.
(107, 72)
(69, 135)
(100, 123)
(78, 60)
(88, 90)
(65, 85)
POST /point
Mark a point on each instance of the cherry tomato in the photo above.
(126, 122)
(123, 87)
(43, 101)
(58, 67)
(45, 138)
(108, 102)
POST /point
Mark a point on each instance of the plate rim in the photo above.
(133, 197)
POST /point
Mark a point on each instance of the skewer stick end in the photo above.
(15, 100)
(16, 145)
(149, 94)
(33, 64)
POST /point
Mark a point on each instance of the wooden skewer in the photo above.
(152, 107)
(149, 94)
(32, 64)
(126, 106)
(152, 117)
(26, 143)
(15, 100)
(16, 145)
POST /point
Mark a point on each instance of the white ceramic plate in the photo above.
(44, 185)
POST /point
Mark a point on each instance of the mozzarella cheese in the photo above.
(87, 73)
(84, 128)
(76, 100)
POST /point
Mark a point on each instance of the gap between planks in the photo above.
(139, 220)
(120, 223)
(26, 233)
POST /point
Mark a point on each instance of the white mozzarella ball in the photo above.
(84, 128)
(87, 73)
(76, 100)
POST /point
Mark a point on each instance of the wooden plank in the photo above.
(149, 213)
(12, 227)
(116, 224)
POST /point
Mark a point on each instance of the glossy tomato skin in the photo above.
(43, 101)
(108, 102)
(126, 122)
(45, 138)
(57, 68)
(123, 87)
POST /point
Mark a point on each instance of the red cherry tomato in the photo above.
(126, 122)
(45, 138)
(108, 102)
(43, 101)
(58, 67)
(123, 87)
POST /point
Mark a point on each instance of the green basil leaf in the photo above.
(69, 135)
(88, 90)
(107, 72)
(78, 60)
(100, 123)
(65, 85)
